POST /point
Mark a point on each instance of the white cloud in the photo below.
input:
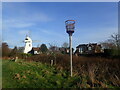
(101, 34)
(40, 17)
(50, 32)
(12, 23)
(24, 32)
(21, 25)
(26, 20)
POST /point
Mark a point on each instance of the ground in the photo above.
(22, 74)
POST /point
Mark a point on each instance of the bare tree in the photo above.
(53, 48)
(65, 45)
(112, 43)
(115, 38)
(107, 45)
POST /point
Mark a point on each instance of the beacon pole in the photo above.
(70, 30)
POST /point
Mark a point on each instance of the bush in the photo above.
(112, 53)
(24, 55)
(97, 71)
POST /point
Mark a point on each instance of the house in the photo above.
(20, 49)
(91, 48)
(65, 50)
(35, 50)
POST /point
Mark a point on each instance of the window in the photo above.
(81, 50)
(89, 48)
(26, 39)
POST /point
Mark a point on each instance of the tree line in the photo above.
(16, 51)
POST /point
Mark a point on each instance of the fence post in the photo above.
(51, 62)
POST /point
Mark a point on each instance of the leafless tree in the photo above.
(53, 48)
(65, 45)
(115, 38)
(113, 42)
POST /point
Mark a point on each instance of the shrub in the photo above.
(97, 70)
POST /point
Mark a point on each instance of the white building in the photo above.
(28, 44)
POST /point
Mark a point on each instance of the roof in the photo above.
(90, 44)
(36, 49)
(81, 45)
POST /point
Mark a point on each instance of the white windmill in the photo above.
(28, 44)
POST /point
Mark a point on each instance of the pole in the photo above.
(70, 43)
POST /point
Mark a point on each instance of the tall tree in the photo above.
(43, 48)
(5, 49)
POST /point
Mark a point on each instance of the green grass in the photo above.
(23, 74)
(34, 75)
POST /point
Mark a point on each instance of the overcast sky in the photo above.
(45, 22)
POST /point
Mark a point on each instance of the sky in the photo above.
(44, 22)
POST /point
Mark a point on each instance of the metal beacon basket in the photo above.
(70, 26)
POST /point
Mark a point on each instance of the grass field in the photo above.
(23, 74)
(34, 75)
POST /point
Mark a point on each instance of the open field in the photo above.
(92, 71)
(32, 74)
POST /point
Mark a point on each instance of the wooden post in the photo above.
(51, 62)
(16, 58)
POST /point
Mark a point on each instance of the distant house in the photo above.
(91, 48)
(20, 49)
(35, 50)
(65, 50)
